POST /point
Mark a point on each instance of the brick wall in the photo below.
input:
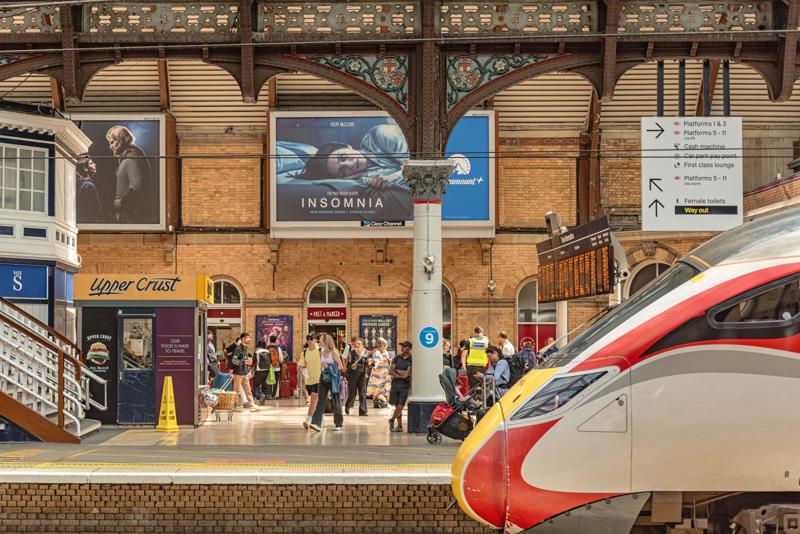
(223, 192)
(620, 172)
(530, 186)
(154, 508)
(773, 193)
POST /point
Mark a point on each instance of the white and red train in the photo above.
(681, 407)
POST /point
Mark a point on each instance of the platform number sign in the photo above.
(429, 337)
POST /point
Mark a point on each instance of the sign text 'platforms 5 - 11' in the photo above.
(691, 173)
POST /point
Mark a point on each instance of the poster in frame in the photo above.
(333, 172)
(120, 184)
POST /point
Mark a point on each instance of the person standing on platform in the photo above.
(241, 368)
(276, 358)
(400, 372)
(447, 355)
(499, 373)
(262, 357)
(505, 345)
(311, 368)
(358, 364)
(211, 358)
(330, 382)
(379, 380)
(475, 359)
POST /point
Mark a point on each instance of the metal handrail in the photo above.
(45, 374)
(73, 348)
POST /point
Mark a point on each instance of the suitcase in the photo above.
(285, 389)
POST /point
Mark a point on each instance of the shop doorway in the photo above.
(336, 330)
(137, 380)
(327, 311)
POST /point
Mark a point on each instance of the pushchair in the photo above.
(455, 419)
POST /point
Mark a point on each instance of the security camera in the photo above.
(491, 286)
(428, 262)
(623, 275)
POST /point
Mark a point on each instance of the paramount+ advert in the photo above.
(347, 168)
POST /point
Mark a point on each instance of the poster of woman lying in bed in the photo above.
(340, 169)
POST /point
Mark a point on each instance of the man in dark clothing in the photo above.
(87, 198)
(400, 371)
(132, 199)
(211, 358)
(241, 369)
(357, 373)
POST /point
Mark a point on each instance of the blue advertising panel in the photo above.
(346, 167)
(23, 281)
(468, 193)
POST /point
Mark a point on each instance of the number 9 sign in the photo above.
(429, 337)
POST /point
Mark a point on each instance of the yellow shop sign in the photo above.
(170, 287)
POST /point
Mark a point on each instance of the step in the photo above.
(88, 426)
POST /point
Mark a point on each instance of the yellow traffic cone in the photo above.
(167, 418)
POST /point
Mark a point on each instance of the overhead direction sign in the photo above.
(691, 173)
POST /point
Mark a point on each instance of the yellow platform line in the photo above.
(20, 453)
(234, 466)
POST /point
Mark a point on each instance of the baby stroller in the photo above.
(455, 418)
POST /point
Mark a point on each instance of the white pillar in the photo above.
(427, 180)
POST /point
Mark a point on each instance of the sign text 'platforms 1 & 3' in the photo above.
(691, 173)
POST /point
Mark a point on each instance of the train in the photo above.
(676, 411)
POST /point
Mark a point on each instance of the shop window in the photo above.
(644, 275)
(778, 304)
(24, 179)
(226, 293)
(536, 322)
(326, 292)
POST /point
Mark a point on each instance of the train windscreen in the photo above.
(674, 277)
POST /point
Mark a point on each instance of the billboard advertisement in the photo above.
(373, 327)
(279, 326)
(336, 171)
(119, 183)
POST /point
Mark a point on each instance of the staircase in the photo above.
(44, 382)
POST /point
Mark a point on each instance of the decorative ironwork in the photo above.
(127, 18)
(427, 179)
(389, 19)
(694, 16)
(387, 73)
(44, 19)
(520, 18)
(467, 73)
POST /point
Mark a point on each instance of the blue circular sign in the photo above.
(429, 337)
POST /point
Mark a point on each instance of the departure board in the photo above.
(577, 264)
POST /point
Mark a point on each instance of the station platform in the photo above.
(262, 470)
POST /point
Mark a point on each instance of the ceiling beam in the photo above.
(163, 85)
(700, 104)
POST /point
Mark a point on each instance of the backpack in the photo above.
(275, 360)
(229, 356)
(263, 360)
(516, 366)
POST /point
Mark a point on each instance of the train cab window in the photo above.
(776, 304)
(556, 394)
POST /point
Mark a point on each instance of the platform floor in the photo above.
(264, 446)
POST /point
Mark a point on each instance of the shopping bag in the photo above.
(271, 377)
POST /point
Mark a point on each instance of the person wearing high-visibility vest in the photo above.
(475, 359)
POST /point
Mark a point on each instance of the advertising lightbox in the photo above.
(333, 172)
(120, 183)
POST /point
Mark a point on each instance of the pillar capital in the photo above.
(427, 178)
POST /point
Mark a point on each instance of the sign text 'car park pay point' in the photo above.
(691, 173)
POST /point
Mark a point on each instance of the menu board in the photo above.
(576, 264)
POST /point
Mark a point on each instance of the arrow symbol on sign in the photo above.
(656, 203)
(660, 130)
(653, 183)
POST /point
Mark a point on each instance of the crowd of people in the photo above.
(332, 378)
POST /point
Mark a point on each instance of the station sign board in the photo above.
(576, 264)
(691, 173)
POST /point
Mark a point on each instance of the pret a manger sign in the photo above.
(141, 287)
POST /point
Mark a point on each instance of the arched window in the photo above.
(226, 293)
(535, 322)
(447, 312)
(327, 293)
(644, 274)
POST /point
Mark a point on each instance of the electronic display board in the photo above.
(576, 264)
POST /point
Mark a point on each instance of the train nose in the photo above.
(479, 472)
